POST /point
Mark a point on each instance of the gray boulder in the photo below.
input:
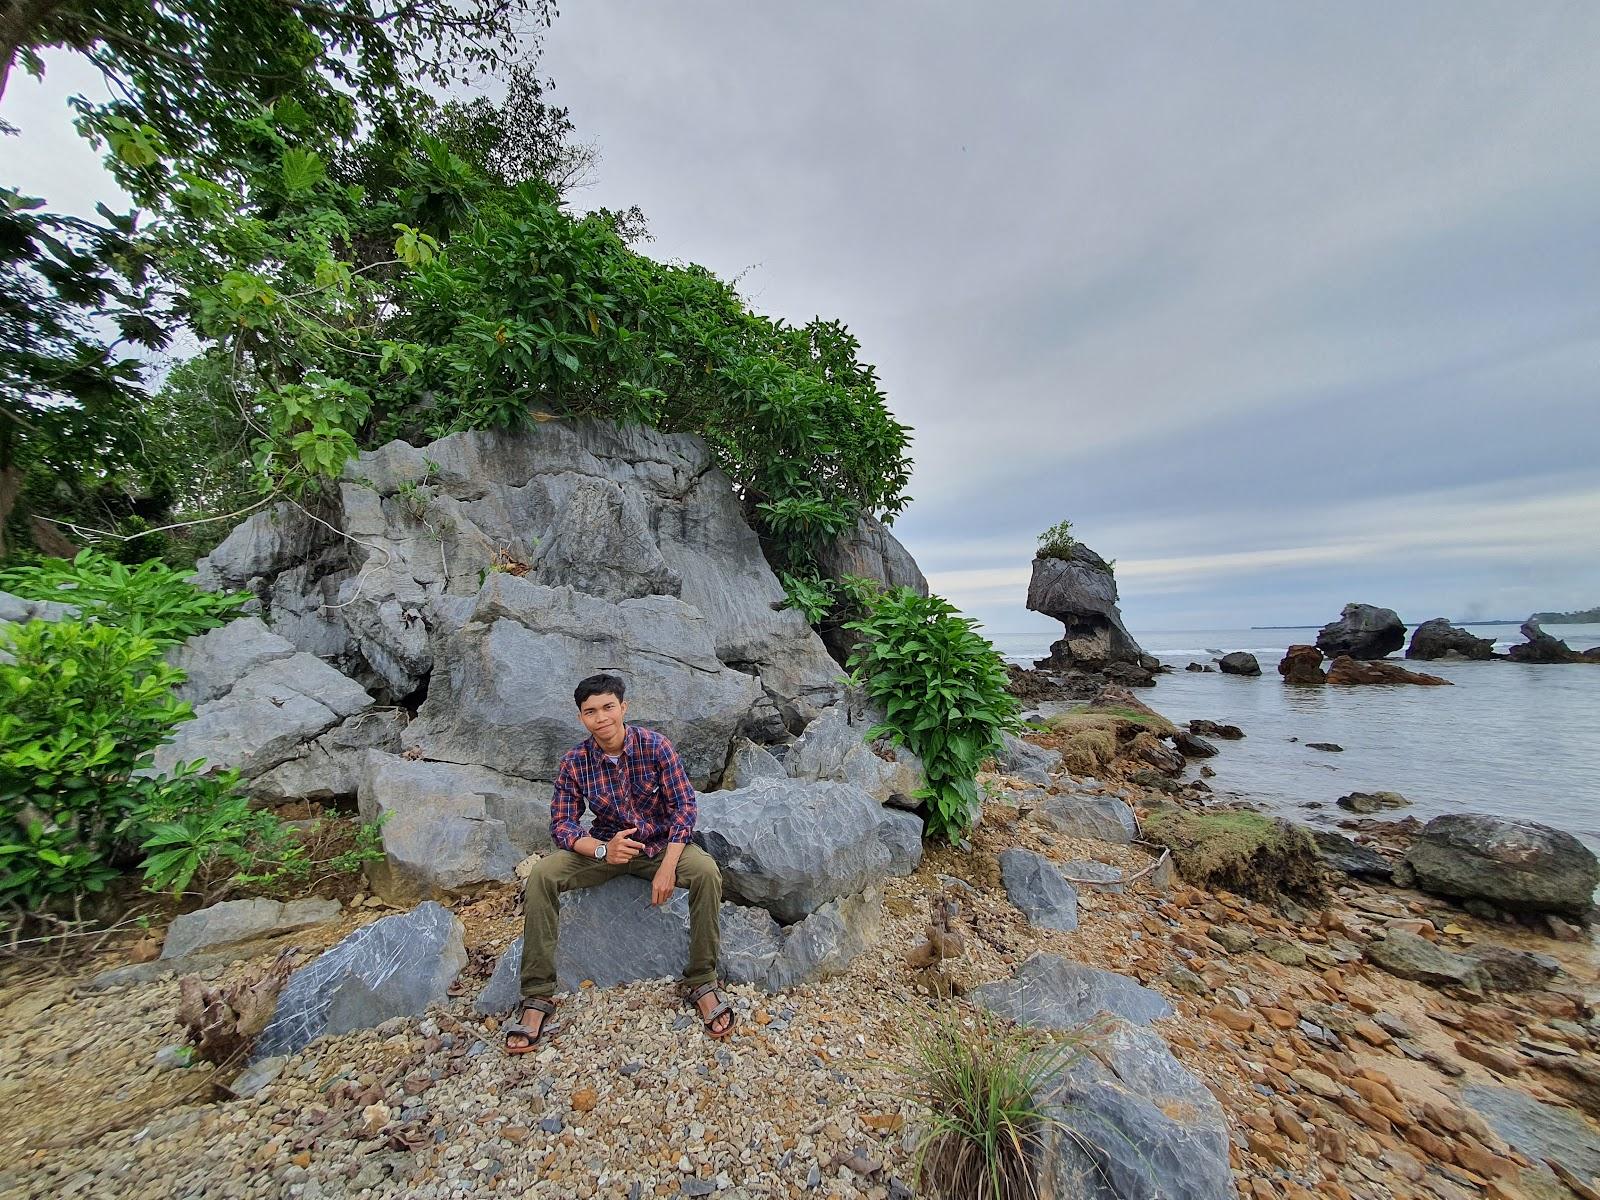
(869, 551)
(748, 762)
(611, 934)
(21, 611)
(834, 747)
(395, 967)
(212, 662)
(1367, 803)
(1517, 865)
(448, 828)
(1541, 647)
(1438, 639)
(1508, 970)
(501, 694)
(1036, 888)
(264, 717)
(1411, 957)
(1081, 592)
(1101, 877)
(1049, 991)
(1132, 1123)
(1540, 1131)
(791, 846)
(1342, 854)
(1363, 631)
(1035, 764)
(1240, 662)
(330, 767)
(1104, 818)
(242, 921)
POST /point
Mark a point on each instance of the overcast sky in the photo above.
(1281, 305)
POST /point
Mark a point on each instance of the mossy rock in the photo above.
(1239, 851)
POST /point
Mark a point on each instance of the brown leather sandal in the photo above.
(547, 1027)
(693, 998)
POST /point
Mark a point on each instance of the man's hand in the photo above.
(662, 883)
(622, 848)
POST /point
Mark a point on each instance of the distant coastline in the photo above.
(1584, 616)
(1546, 618)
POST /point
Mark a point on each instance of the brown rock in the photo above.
(1429, 1143)
(1303, 665)
(1233, 1018)
(1484, 1162)
(1348, 672)
(1498, 1061)
(1370, 1033)
(1317, 1082)
(1331, 1145)
(1284, 1118)
(584, 1099)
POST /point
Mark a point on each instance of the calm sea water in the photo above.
(1508, 739)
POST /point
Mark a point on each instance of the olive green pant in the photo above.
(565, 871)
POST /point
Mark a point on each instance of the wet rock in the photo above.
(1438, 639)
(1191, 746)
(1541, 647)
(1104, 818)
(1363, 631)
(1371, 802)
(1240, 662)
(1132, 1123)
(1521, 866)
(1410, 957)
(1302, 665)
(1349, 672)
(396, 966)
(1343, 854)
(1034, 885)
(834, 747)
(1216, 729)
(1326, 747)
(792, 846)
(241, 920)
(1050, 991)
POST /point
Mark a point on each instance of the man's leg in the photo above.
(557, 872)
(698, 872)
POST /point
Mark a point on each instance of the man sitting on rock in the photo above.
(644, 812)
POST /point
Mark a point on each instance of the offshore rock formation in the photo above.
(1438, 639)
(1363, 631)
(1542, 647)
(1081, 592)
(1302, 665)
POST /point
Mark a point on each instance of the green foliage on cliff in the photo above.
(1056, 542)
(943, 690)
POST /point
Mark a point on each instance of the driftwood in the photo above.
(942, 941)
(221, 1023)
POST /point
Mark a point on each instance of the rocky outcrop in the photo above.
(395, 967)
(1051, 992)
(869, 551)
(448, 828)
(748, 762)
(1541, 647)
(1363, 631)
(1129, 1122)
(1240, 662)
(329, 767)
(21, 611)
(791, 846)
(1302, 665)
(1102, 818)
(1407, 956)
(1081, 593)
(834, 746)
(1343, 854)
(1035, 764)
(1349, 672)
(1366, 803)
(1521, 866)
(234, 921)
(1438, 639)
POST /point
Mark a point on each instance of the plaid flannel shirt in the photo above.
(647, 788)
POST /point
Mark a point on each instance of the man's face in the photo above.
(602, 716)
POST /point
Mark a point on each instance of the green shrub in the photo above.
(82, 706)
(810, 594)
(149, 599)
(1056, 542)
(980, 1081)
(943, 691)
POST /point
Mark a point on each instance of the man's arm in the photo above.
(566, 806)
(675, 784)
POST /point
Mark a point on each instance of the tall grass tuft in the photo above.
(980, 1078)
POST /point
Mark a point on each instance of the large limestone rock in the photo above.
(748, 762)
(1037, 889)
(501, 694)
(20, 611)
(617, 513)
(1438, 638)
(1363, 631)
(234, 921)
(834, 747)
(1131, 1123)
(448, 828)
(263, 715)
(1052, 992)
(869, 551)
(1081, 593)
(1542, 647)
(1036, 764)
(611, 934)
(1518, 865)
(791, 846)
(330, 767)
(395, 967)
(1103, 818)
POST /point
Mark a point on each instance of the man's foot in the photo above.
(521, 1037)
(713, 1009)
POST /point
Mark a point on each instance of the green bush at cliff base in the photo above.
(1238, 851)
(943, 691)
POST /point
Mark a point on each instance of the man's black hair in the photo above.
(599, 685)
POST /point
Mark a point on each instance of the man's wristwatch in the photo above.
(600, 850)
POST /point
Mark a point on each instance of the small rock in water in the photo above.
(1330, 747)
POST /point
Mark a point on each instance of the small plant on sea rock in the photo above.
(1056, 542)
